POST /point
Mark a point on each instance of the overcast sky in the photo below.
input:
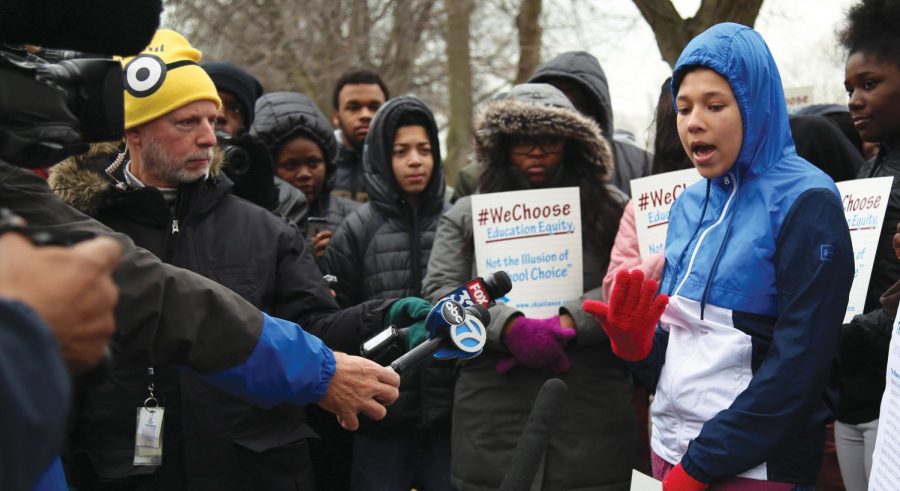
(800, 33)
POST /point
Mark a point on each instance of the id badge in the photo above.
(148, 439)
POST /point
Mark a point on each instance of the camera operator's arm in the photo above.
(70, 289)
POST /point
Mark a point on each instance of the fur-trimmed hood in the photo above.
(86, 181)
(503, 119)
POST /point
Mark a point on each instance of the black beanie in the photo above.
(231, 78)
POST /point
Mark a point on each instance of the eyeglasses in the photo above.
(292, 166)
(548, 144)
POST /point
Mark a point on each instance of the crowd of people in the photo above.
(248, 245)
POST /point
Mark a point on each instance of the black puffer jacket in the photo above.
(282, 116)
(582, 68)
(382, 249)
(212, 440)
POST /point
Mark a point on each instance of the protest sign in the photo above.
(798, 97)
(886, 460)
(535, 236)
(653, 198)
(864, 201)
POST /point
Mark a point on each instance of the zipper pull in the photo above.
(175, 228)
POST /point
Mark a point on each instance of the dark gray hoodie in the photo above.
(581, 68)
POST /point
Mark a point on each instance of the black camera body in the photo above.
(237, 159)
(49, 112)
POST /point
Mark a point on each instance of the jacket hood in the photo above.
(281, 116)
(583, 69)
(739, 54)
(384, 192)
(231, 78)
(520, 114)
(87, 182)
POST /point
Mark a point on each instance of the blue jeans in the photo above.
(401, 459)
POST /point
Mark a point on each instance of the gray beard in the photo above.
(167, 168)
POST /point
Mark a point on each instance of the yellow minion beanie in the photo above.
(164, 77)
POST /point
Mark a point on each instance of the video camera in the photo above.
(50, 111)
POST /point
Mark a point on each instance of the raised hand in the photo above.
(632, 314)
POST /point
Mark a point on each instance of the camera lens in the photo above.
(237, 160)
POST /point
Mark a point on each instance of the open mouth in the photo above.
(702, 150)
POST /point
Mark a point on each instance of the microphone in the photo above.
(391, 342)
(110, 27)
(482, 291)
(535, 436)
(459, 332)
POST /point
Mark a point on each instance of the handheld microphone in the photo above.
(535, 436)
(390, 343)
(482, 291)
(459, 331)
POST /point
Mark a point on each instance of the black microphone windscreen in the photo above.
(109, 27)
(498, 284)
(533, 442)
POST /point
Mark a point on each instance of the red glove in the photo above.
(679, 480)
(631, 316)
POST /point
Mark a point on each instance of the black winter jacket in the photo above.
(350, 181)
(886, 269)
(382, 249)
(865, 341)
(225, 443)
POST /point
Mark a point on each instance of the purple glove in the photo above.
(537, 343)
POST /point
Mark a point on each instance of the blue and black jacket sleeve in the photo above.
(287, 365)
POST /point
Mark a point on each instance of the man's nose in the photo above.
(207, 133)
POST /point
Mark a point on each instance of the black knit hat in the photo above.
(231, 78)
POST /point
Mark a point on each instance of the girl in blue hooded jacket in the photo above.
(758, 267)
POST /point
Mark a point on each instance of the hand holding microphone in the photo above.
(387, 345)
(632, 314)
(453, 332)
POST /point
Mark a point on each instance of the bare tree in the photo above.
(306, 45)
(459, 75)
(453, 54)
(528, 23)
(673, 32)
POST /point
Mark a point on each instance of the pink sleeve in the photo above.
(626, 254)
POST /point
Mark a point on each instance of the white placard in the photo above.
(886, 459)
(865, 201)
(653, 198)
(535, 236)
(798, 97)
(643, 482)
